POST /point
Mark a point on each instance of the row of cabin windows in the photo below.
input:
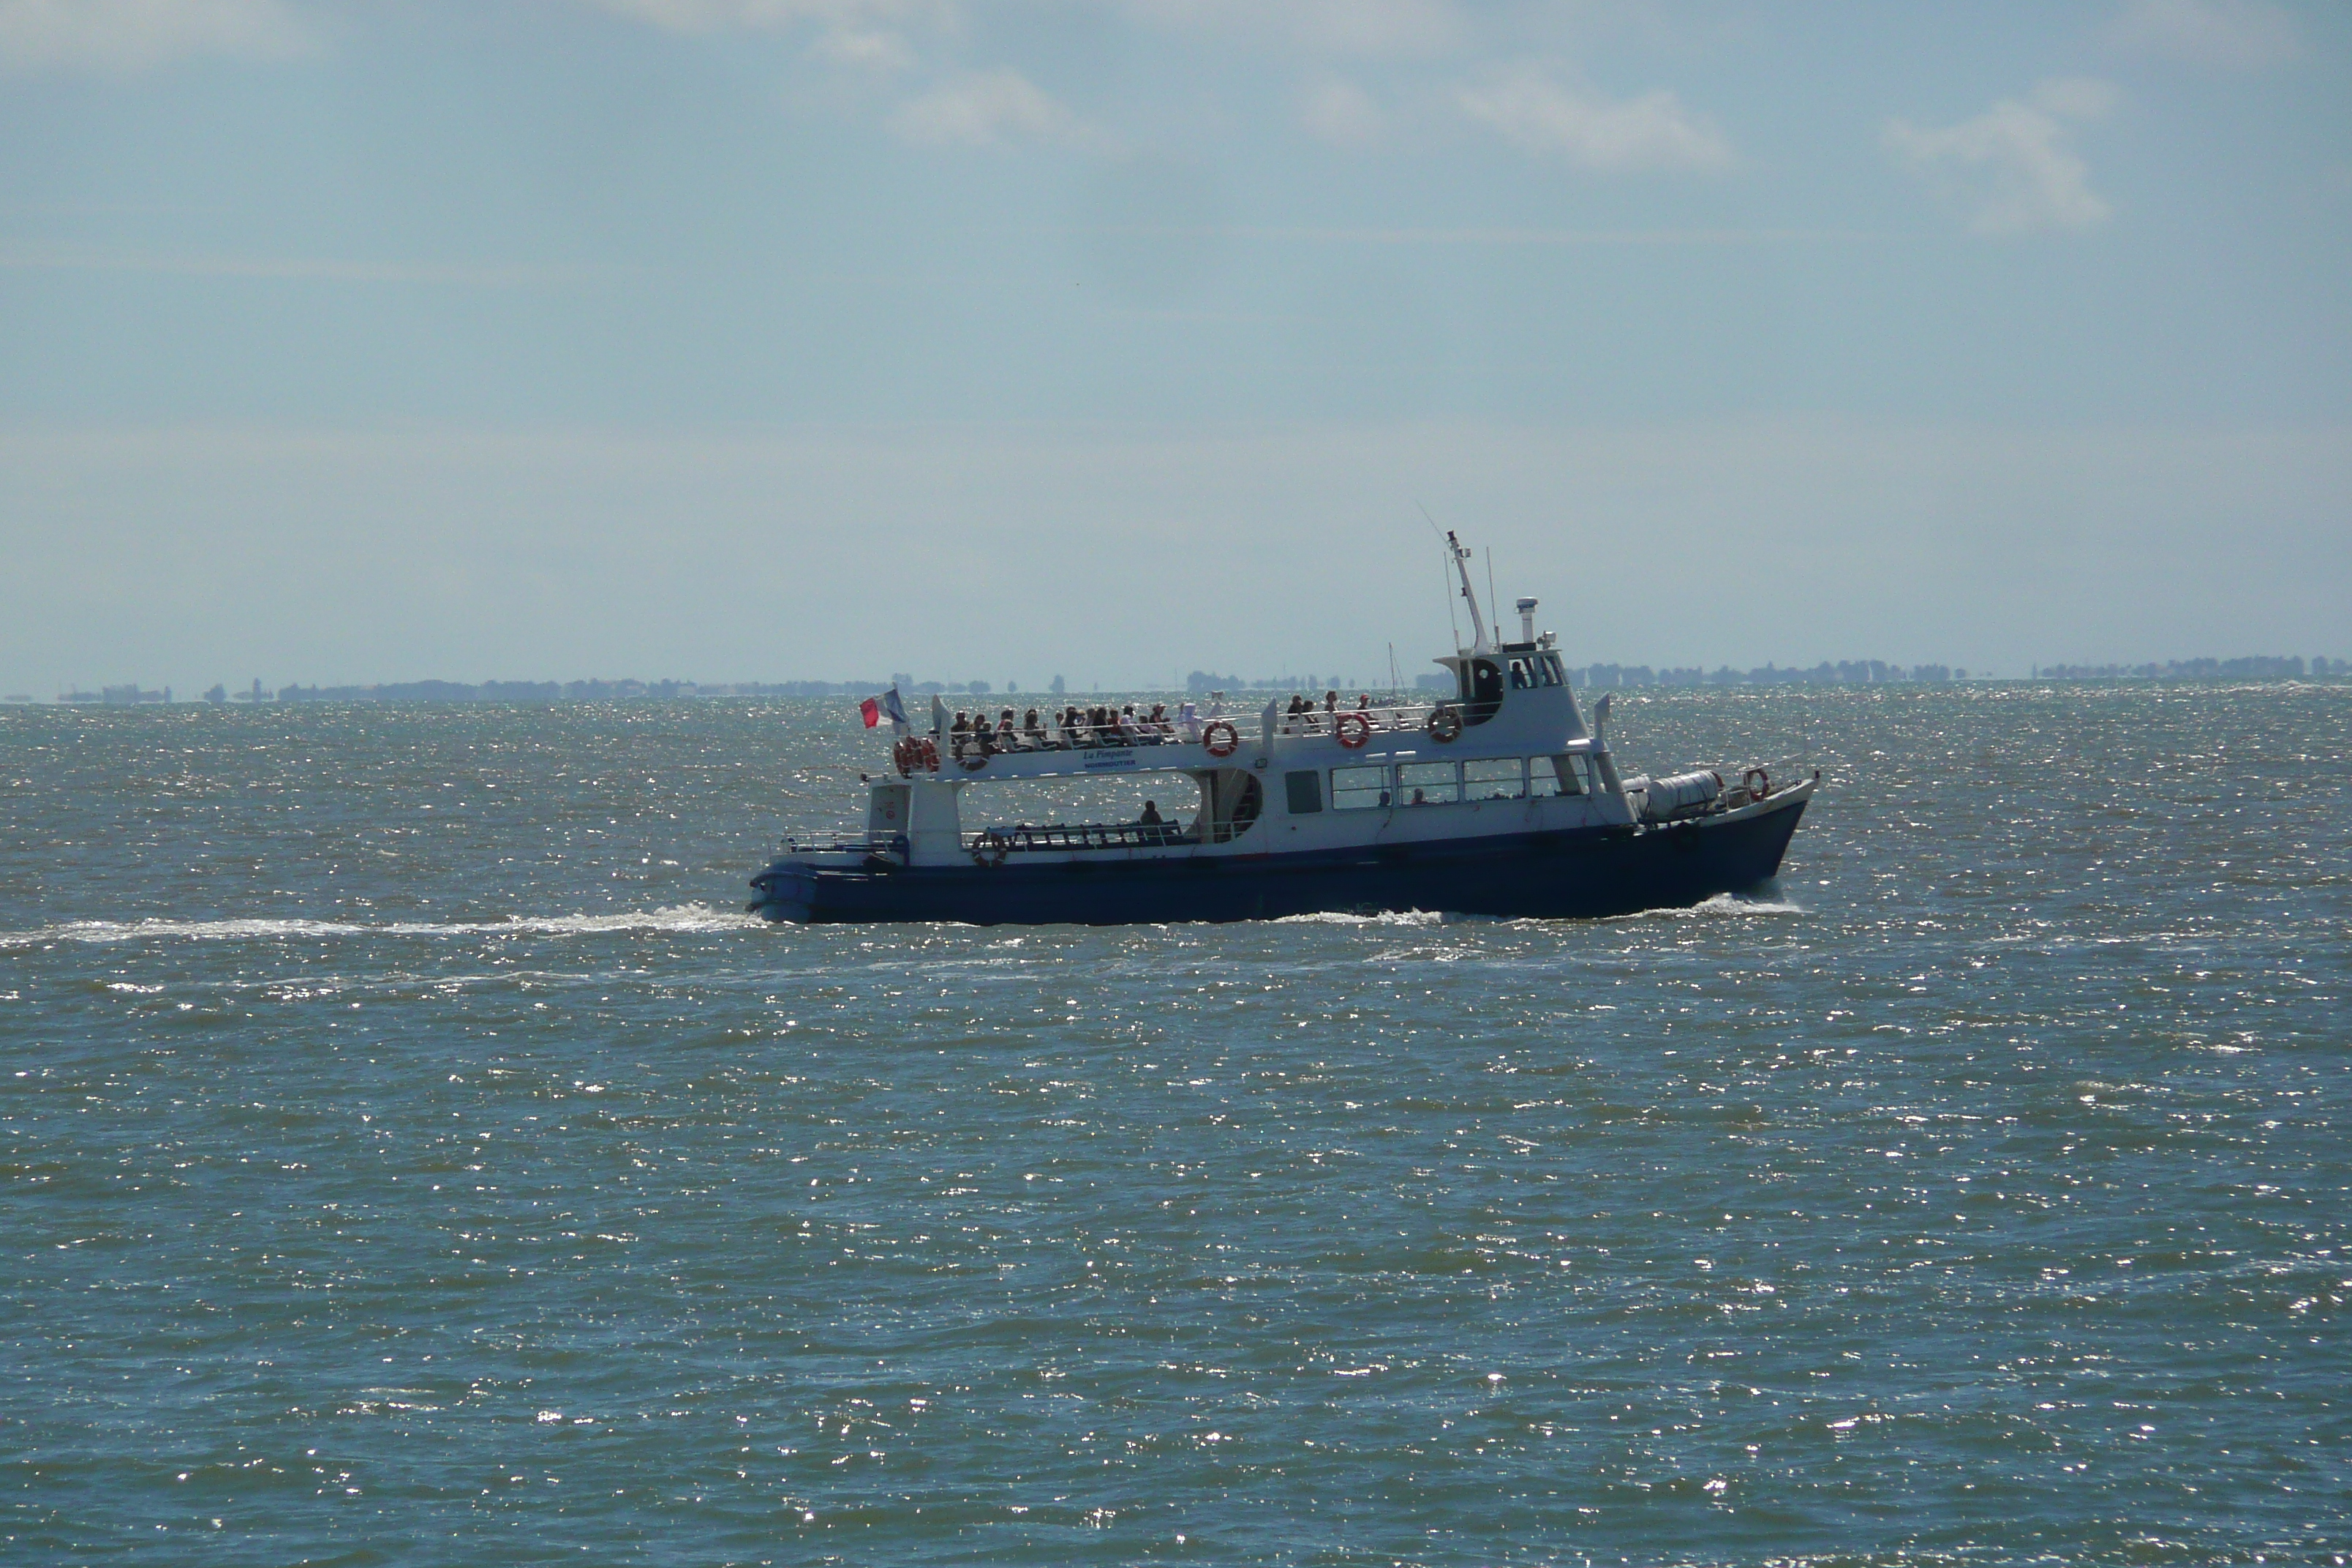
(1441, 783)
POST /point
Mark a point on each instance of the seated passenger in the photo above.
(1188, 721)
(1008, 734)
(1129, 731)
(959, 734)
(1033, 731)
(1419, 798)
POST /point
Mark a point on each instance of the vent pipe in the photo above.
(1526, 620)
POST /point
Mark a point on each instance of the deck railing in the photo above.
(1385, 718)
(1023, 837)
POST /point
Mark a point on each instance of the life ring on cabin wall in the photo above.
(1756, 782)
(1445, 725)
(902, 755)
(1351, 730)
(928, 753)
(990, 848)
(1219, 744)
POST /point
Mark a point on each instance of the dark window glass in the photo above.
(1305, 792)
(1486, 692)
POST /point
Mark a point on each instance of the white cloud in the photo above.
(874, 51)
(988, 108)
(2013, 163)
(865, 34)
(139, 34)
(1319, 27)
(777, 15)
(2243, 34)
(1651, 131)
(1341, 113)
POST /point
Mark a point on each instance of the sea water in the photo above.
(412, 1154)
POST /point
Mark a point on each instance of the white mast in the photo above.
(1462, 567)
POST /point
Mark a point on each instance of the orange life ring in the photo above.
(928, 753)
(1221, 747)
(903, 756)
(1758, 783)
(1351, 730)
(1444, 724)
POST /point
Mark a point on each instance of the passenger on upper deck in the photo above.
(957, 733)
(1034, 732)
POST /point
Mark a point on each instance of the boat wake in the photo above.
(1722, 906)
(1399, 918)
(679, 918)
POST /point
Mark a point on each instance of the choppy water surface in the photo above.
(411, 1156)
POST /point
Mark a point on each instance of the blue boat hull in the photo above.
(1592, 872)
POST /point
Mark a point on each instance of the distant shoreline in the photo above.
(1593, 676)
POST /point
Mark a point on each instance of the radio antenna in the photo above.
(1444, 573)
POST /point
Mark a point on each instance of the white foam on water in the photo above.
(1333, 918)
(1721, 905)
(682, 918)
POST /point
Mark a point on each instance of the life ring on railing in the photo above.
(990, 848)
(1218, 745)
(972, 761)
(1444, 724)
(1351, 730)
(909, 754)
(1757, 783)
(926, 752)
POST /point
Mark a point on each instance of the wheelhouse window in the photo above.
(1565, 774)
(1358, 789)
(1549, 670)
(1486, 692)
(1305, 791)
(1428, 784)
(1497, 778)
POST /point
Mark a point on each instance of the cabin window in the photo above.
(1486, 692)
(1547, 669)
(1568, 774)
(1523, 672)
(1499, 778)
(1428, 784)
(1305, 792)
(1358, 789)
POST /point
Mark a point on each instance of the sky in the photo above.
(354, 340)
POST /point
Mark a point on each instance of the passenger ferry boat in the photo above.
(1498, 800)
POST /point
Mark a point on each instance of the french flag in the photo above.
(874, 709)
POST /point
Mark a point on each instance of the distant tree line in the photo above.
(566, 691)
(2289, 668)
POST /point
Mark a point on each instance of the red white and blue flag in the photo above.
(874, 709)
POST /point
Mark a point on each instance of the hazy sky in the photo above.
(377, 339)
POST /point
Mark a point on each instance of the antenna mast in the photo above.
(1461, 569)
